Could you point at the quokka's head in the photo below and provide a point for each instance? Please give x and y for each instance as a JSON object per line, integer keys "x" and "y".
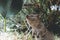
{"x": 33, "y": 19}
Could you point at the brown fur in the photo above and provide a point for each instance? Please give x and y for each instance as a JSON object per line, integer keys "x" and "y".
{"x": 38, "y": 28}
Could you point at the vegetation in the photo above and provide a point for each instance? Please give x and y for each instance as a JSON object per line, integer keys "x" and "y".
{"x": 49, "y": 10}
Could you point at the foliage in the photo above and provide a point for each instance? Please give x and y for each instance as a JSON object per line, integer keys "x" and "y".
{"x": 47, "y": 9}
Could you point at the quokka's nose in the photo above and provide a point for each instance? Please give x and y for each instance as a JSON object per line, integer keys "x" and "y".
{"x": 27, "y": 16}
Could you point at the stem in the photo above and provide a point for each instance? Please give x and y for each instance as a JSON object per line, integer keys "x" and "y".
{"x": 5, "y": 24}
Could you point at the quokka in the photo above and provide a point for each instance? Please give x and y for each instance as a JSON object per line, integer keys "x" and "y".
{"x": 39, "y": 31}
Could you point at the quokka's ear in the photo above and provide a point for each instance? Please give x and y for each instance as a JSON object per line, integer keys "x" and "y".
{"x": 39, "y": 15}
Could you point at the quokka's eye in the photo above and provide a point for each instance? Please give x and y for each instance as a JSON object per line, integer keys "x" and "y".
{"x": 31, "y": 16}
